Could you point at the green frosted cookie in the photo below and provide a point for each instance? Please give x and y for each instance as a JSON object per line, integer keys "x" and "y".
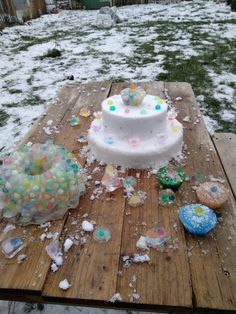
{"x": 171, "y": 177}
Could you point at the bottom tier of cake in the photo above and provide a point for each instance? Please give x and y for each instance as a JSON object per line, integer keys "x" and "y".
{"x": 154, "y": 152}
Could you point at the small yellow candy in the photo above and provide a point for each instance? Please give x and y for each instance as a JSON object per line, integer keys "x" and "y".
{"x": 110, "y": 102}
{"x": 198, "y": 211}
{"x": 85, "y": 112}
{"x": 133, "y": 86}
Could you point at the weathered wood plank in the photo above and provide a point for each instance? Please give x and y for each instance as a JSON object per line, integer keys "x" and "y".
{"x": 91, "y": 269}
{"x": 31, "y": 274}
{"x": 212, "y": 257}
{"x": 225, "y": 144}
{"x": 66, "y": 98}
{"x": 166, "y": 281}
{"x": 90, "y": 96}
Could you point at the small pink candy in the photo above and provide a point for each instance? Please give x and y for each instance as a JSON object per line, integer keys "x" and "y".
{"x": 171, "y": 115}
{"x": 127, "y": 110}
{"x": 47, "y": 175}
{"x": 7, "y": 161}
{"x": 96, "y": 128}
{"x": 134, "y": 142}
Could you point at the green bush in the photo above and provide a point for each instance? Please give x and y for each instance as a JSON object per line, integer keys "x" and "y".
{"x": 52, "y": 53}
{"x": 233, "y": 5}
{"x": 229, "y": 2}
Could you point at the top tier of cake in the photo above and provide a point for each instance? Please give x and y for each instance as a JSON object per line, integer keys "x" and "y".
{"x": 142, "y": 121}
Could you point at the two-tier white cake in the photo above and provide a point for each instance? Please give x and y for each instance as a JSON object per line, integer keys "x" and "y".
{"x": 139, "y": 136}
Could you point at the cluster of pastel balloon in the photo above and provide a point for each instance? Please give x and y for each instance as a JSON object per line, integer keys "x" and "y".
{"x": 39, "y": 183}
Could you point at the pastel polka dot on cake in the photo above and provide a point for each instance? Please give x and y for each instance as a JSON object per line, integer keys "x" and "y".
{"x": 212, "y": 194}
{"x": 112, "y": 108}
{"x": 158, "y": 107}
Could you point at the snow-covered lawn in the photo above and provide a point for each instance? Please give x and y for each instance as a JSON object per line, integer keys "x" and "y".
{"x": 192, "y": 41}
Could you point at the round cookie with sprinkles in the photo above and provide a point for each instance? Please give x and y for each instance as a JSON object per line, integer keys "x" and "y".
{"x": 171, "y": 177}
{"x": 212, "y": 194}
{"x": 197, "y": 219}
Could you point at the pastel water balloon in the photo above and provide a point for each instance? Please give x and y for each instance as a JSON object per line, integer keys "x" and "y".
{"x": 102, "y": 234}
{"x": 43, "y": 181}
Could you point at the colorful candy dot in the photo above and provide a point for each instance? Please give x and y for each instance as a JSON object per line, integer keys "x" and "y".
{"x": 112, "y": 108}
{"x": 134, "y": 142}
{"x": 84, "y": 112}
{"x": 109, "y": 140}
{"x": 157, "y": 107}
{"x": 214, "y": 189}
{"x": 198, "y": 211}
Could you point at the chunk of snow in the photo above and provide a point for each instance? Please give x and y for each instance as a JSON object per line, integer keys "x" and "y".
{"x": 58, "y": 259}
{"x": 141, "y": 258}
{"x": 187, "y": 119}
{"x": 64, "y": 284}
{"x": 142, "y": 243}
{"x": 20, "y": 258}
{"x": 43, "y": 236}
{"x": 87, "y": 226}
{"x": 68, "y": 244}
{"x": 49, "y": 122}
{"x": 116, "y": 297}
{"x": 54, "y": 267}
{"x": 8, "y": 228}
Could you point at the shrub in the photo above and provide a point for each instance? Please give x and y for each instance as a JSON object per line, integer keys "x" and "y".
{"x": 233, "y": 5}
{"x": 51, "y": 53}
{"x": 229, "y": 2}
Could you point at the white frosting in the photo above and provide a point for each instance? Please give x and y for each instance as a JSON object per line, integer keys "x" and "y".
{"x": 135, "y": 137}
{"x": 142, "y": 121}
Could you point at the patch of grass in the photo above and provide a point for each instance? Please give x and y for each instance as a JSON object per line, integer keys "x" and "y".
{"x": 51, "y": 53}
{"x": 117, "y": 79}
{"x": 189, "y": 70}
{"x": 4, "y": 116}
{"x": 36, "y": 69}
{"x": 17, "y": 120}
{"x": 31, "y": 100}
{"x": 144, "y": 54}
{"x": 11, "y": 105}
{"x": 14, "y": 91}
{"x": 30, "y": 80}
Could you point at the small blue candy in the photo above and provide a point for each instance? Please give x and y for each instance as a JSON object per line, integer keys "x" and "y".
{"x": 197, "y": 219}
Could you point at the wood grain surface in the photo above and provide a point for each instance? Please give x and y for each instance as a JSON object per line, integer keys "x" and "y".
{"x": 225, "y": 144}
{"x": 189, "y": 273}
{"x": 211, "y": 258}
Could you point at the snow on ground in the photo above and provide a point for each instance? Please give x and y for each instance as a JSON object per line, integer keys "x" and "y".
{"x": 33, "y": 308}
{"x": 151, "y": 44}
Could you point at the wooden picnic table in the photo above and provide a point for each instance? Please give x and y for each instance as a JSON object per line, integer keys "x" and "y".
{"x": 191, "y": 273}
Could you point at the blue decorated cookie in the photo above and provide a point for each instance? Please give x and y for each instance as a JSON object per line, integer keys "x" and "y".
{"x": 197, "y": 219}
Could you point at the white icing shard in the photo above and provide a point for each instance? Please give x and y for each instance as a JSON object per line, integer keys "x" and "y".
{"x": 87, "y": 226}
{"x": 68, "y": 244}
{"x": 116, "y": 297}
{"x": 141, "y": 258}
{"x": 64, "y": 284}
{"x": 142, "y": 243}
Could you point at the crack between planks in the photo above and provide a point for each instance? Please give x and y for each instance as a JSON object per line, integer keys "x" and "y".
{"x": 218, "y": 154}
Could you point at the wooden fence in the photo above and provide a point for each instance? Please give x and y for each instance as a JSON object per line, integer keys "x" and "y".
{"x": 17, "y": 11}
